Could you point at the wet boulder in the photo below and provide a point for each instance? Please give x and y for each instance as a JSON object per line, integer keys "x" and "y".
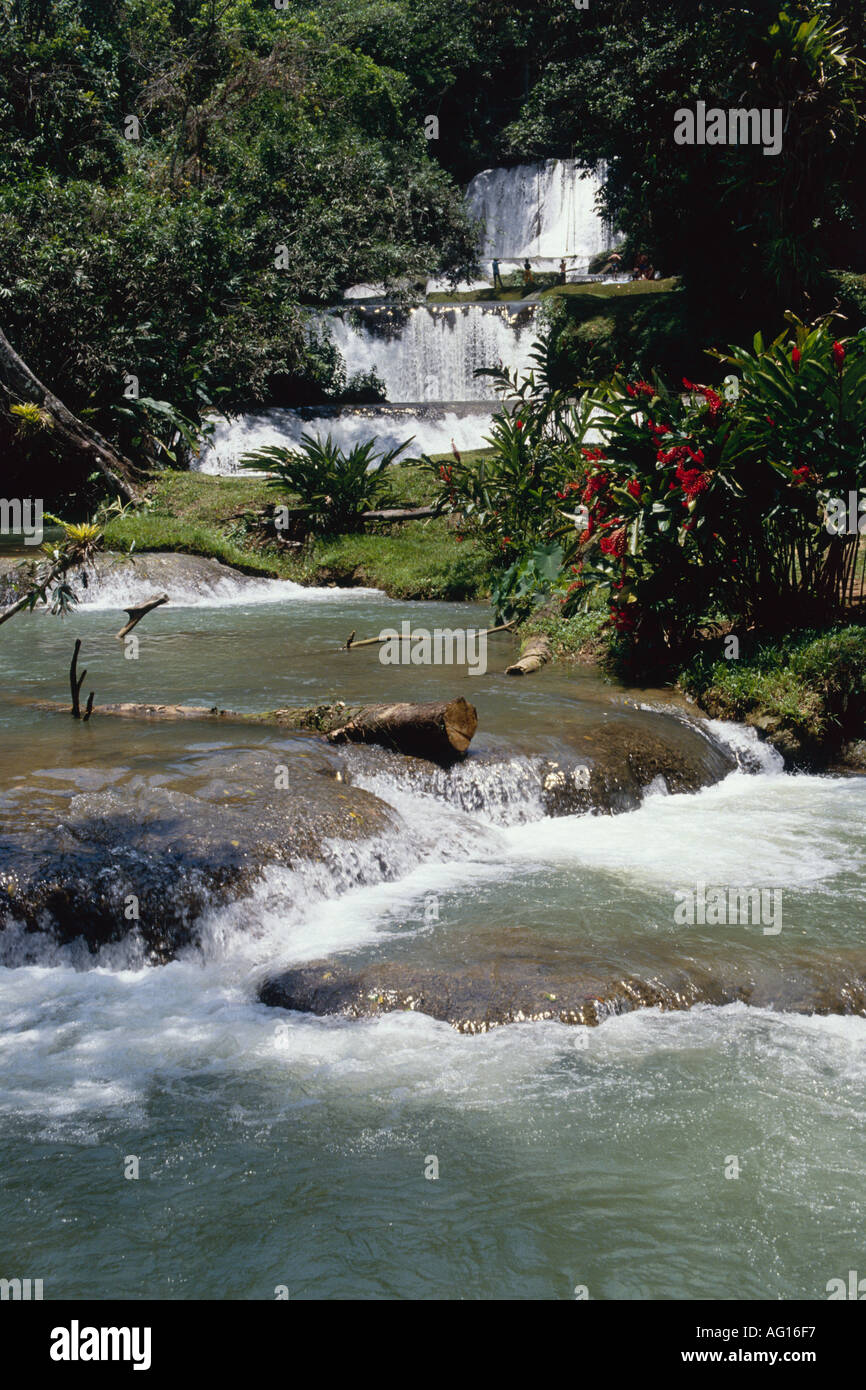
{"x": 151, "y": 857}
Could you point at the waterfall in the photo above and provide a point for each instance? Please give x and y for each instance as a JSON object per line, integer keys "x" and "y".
{"x": 543, "y": 211}
{"x": 429, "y": 354}
{"x": 432, "y": 428}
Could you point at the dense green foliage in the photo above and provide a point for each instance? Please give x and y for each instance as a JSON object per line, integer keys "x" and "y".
{"x": 282, "y": 154}
{"x": 273, "y": 166}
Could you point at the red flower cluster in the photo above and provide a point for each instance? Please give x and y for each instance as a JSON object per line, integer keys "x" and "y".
{"x": 796, "y": 355}
{"x": 693, "y": 481}
{"x": 657, "y": 430}
{"x": 801, "y": 476}
{"x": 595, "y": 484}
{"x": 569, "y": 487}
{"x": 614, "y": 544}
{"x": 679, "y": 454}
{"x": 633, "y": 488}
{"x": 641, "y": 388}
{"x": 712, "y": 398}
{"x": 593, "y": 455}
{"x": 839, "y": 356}
{"x": 622, "y": 620}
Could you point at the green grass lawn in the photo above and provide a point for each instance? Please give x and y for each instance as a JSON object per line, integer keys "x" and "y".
{"x": 514, "y": 295}
{"x": 628, "y": 291}
{"x": 201, "y": 514}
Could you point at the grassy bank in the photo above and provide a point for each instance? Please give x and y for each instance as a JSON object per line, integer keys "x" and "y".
{"x": 226, "y": 519}
{"x": 804, "y": 691}
{"x": 579, "y": 638}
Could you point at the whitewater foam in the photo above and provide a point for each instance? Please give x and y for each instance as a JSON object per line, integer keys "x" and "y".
{"x": 126, "y": 585}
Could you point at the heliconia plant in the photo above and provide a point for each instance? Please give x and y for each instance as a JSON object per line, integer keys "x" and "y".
{"x": 705, "y": 504}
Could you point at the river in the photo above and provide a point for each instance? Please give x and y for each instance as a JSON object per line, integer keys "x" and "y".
{"x": 283, "y": 1149}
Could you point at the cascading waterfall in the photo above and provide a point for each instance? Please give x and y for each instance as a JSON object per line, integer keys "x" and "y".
{"x": 431, "y": 353}
{"x": 427, "y": 356}
{"x": 543, "y": 211}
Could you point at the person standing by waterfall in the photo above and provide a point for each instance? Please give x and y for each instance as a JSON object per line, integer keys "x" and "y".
{"x": 497, "y": 278}
{"x": 527, "y": 275}
{"x": 562, "y": 271}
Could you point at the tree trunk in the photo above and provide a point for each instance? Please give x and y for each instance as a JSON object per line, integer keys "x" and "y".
{"x": 20, "y": 385}
{"x": 440, "y": 732}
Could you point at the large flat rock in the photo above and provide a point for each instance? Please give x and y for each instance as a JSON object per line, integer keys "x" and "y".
{"x": 177, "y": 845}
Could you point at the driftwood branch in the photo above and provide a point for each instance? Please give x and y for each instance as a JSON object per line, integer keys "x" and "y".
{"x": 139, "y": 611}
{"x": 75, "y": 684}
{"x": 351, "y": 644}
{"x": 533, "y": 655}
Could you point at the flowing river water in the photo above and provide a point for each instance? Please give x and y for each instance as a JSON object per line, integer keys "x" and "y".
{"x": 282, "y": 1148}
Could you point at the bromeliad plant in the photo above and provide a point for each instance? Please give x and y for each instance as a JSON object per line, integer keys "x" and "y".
{"x": 47, "y": 580}
{"x": 335, "y": 488}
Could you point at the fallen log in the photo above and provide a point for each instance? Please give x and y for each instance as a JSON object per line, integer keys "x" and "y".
{"x": 440, "y": 732}
{"x": 534, "y": 654}
{"x": 401, "y": 514}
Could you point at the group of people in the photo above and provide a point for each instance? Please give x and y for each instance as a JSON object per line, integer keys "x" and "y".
{"x": 527, "y": 275}
{"x": 642, "y": 270}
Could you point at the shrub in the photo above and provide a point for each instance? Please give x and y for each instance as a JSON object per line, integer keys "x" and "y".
{"x": 335, "y": 488}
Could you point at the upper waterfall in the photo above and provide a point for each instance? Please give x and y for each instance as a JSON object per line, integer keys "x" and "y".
{"x": 541, "y": 211}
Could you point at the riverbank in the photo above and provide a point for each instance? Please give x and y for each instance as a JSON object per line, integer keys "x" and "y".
{"x": 231, "y": 519}
{"x": 804, "y": 691}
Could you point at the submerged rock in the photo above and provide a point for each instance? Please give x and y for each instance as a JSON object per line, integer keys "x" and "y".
{"x": 115, "y": 580}
{"x": 607, "y": 766}
{"x": 474, "y": 998}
